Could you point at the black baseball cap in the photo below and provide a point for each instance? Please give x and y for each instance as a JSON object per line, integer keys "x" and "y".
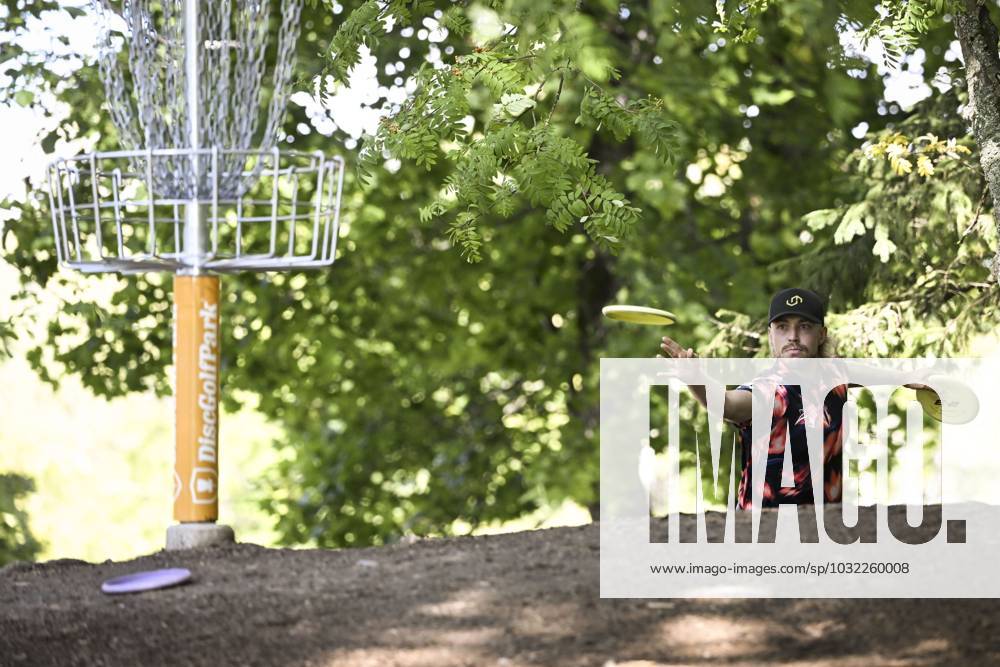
{"x": 797, "y": 301}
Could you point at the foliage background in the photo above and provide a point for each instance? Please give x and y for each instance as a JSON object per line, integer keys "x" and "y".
{"x": 660, "y": 153}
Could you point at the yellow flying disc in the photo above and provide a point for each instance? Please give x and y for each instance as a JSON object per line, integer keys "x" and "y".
{"x": 957, "y": 403}
{"x": 639, "y": 315}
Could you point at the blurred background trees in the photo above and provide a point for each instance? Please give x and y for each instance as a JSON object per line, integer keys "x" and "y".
{"x": 16, "y": 539}
{"x": 519, "y": 165}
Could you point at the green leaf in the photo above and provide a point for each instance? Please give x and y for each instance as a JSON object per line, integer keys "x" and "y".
{"x": 516, "y": 104}
{"x": 24, "y": 98}
{"x": 766, "y": 97}
{"x": 821, "y": 218}
{"x": 883, "y": 247}
{"x": 854, "y": 223}
{"x": 48, "y": 142}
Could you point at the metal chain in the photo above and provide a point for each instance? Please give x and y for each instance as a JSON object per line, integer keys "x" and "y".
{"x": 146, "y": 99}
{"x": 287, "y": 37}
{"x": 114, "y": 86}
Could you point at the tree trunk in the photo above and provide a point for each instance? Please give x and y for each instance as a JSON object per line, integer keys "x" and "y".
{"x": 978, "y": 37}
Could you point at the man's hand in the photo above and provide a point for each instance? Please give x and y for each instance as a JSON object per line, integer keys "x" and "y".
{"x": 737, "y": 405}
{"x": 673, "y": 349}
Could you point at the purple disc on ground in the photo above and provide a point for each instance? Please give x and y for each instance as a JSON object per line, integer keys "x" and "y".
{"x": 146, "y": 581}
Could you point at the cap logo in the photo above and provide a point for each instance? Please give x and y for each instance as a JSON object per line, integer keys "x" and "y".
{"x": 794, "y": 301}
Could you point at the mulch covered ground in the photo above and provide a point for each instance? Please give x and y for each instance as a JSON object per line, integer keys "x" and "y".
{"x": 527, "y": 598}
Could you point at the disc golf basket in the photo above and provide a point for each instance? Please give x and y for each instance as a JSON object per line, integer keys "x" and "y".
{"x": 200, "y": 188}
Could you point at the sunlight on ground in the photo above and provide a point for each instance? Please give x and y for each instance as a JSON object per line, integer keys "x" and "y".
{"x": 714, "y": 636}
{"x": 567, "y": 514}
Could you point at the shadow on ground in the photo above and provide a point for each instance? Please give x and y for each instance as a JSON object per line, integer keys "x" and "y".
{"x": 521, "y": 599}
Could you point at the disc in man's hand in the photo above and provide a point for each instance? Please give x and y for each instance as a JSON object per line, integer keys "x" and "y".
{"x": 639, "y": 315}
{"x": 956, "y": 404}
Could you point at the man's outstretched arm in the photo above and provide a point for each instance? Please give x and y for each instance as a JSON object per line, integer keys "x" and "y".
{"x": 738, "y": 405}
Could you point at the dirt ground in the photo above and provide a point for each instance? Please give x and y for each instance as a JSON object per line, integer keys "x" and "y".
{"x": 526, "y": 599}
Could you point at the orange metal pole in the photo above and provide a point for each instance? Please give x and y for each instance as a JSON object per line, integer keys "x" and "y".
{"x": 196, "y": 359}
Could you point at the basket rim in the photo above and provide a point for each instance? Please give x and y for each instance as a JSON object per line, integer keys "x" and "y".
{"x": 182, "y": 152}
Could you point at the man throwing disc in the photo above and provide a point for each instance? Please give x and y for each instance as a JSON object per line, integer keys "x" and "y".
{"x": 796, "y": 329}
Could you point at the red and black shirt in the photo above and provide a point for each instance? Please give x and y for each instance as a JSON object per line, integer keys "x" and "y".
{"x": 788, "y": 425}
